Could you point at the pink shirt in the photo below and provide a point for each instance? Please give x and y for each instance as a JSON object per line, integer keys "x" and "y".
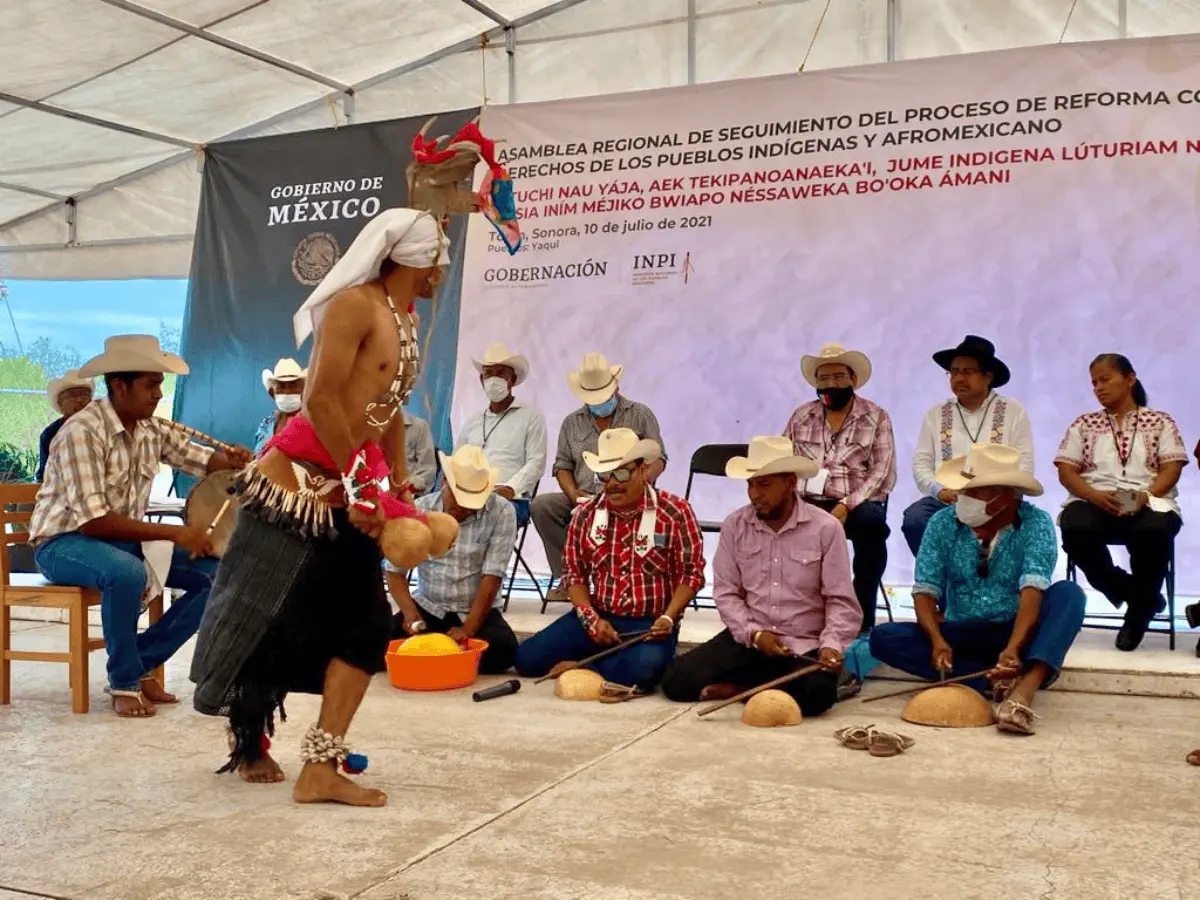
{"x": 794, "y": 582}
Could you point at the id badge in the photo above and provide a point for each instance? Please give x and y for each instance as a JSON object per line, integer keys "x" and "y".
{"x": 816, "y": 485}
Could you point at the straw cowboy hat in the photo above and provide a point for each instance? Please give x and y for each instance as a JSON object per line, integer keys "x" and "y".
{"x": 285, "y": 370}
{"x": 855, "y": 361}
{"x": 469, "y": 475}
{"x": 596, "y": 380}
{"x": 133, "y": 353}
{"x": 618, "y": 447}
{"x": 770, "y": 455}
{"x": 69, "y": 381}
{"x": 499, "y": 355}
{"x": 988, "y": 465}
{"x": 980, "y": 349}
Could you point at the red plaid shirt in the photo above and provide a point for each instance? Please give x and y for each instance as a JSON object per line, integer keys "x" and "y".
{"x": 861, "y": 457}
{"x": 618, "y": 580}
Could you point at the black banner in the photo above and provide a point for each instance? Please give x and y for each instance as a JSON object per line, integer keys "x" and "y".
{"x": 275, "y": 214}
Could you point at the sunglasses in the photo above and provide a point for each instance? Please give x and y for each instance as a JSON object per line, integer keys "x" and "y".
{"x": 621, "y": 476}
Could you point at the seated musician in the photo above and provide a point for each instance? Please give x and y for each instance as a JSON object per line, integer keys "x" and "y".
{"x": 68, "y": 395}
{"x": 285, "y": 385}
{"x": 781, "y": 582}
{"x": 634, "y": 560}
{"x": 87, "y": 527}
{"x": 983, "y": 593}
{"x": 455, "y": 592}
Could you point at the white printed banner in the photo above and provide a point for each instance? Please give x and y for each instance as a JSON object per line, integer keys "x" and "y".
{"x": 707, "y": 237}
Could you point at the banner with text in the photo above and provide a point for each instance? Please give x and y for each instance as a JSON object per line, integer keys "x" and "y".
{"x": 275, "y": 214}
{"x": 708, "y": 237}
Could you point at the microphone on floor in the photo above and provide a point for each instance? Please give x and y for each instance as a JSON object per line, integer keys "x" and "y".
{"x": 503, "y": 689}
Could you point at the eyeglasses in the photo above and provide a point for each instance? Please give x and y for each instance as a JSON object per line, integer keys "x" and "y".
{"x": 621, "y": 476}
{"x": 972, "y": 371}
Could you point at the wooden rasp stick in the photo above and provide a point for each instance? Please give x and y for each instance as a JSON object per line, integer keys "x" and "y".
{"x": 925, "y": 684}
{"x": 783, "y": 679}
{"x": 635, "y": 638}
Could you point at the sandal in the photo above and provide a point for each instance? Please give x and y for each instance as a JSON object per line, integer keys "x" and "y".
{"x": 145, "y": 709}
{"x": 1015, "y": 717}
{"x": 854, "y": 737}
{"x": 887, "y": 743}
{"x": 611, "y": 692}
{"x": 1002, "y": 688}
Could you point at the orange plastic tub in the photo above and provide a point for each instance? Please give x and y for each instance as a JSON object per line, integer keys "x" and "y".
{"x": 435, "y": 673}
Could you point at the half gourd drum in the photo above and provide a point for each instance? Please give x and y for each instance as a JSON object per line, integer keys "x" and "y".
{"x": 949, "y": 706}
{"x": 771, "y": 709}
{"x": 579, "y": 684}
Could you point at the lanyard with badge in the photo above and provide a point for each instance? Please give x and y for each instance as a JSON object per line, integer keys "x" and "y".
{"x": 487, "y": 433}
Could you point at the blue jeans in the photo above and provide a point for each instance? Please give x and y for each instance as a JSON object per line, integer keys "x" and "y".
{"x": 641, "y": 665}
{"x": 916, "y": 517}
{"x": 117, "y": 570}
{"x": 977, "y": 644}
{"x": 521, "y": 507}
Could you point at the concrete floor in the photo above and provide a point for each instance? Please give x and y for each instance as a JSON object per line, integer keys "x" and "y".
{"x": 532, "y": 797}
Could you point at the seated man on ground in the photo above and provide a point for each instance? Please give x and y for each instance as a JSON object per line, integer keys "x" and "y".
{"x": 88, "y": 529}
{"x": 977, "y": 414}
{"x": 982, "y": 590}
{"x": 419, "y": 453}
{"x": 782, "y": 586}
{"x": 634, "y": 561}
{"x": 513, "y": 434}
{"x": 465, "y": 581}
{"x": 850, "y": 440}
{"x": 597, "y": 384}
{"x": 1121, "y": 465}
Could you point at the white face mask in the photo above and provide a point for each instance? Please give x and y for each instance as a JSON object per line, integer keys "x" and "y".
{"x": 288, "y": 403}
{"x": 496, "y": 389}
{"x": 972, "y": 512}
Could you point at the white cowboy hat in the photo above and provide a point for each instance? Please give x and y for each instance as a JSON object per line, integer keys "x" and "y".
{"x": 499, "y": 355}
{"x": 469, "y": 475}
{"x": 596, "y": 380}
{"x": 285, "y": 370}
{"x": 69, "y": 381}
{"x": 770, "y": 455}
{"x": 855, "y": 361}
{"x": 988, "y": 465}
{"x": 617, "y": 447}
{"x": 133, "y": 353}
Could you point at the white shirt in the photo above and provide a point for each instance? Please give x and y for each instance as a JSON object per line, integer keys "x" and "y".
{"x": 999, "y": 420}
{"x": 1090, "y": 446}
{"x": 514, "y": 441}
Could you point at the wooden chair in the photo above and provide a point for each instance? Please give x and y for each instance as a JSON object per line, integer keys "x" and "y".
{"x": 36, "y": 591}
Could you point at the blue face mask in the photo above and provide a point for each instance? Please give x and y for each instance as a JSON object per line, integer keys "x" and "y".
{"x": 601, "y": 410}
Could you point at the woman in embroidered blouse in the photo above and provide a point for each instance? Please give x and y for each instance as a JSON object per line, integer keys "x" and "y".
{"x": 1121, "y": 465}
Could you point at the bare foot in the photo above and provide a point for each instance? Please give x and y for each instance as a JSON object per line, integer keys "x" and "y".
{"x": 719, "y": 692}
{"x": 155, "y": 692}
{"x": 1194, "y": 757}
{"x": 130, "y": 705}
{"x": 321, "y": 783}
{"x": 565, "y": 666}
{"x": 261, "y": 771}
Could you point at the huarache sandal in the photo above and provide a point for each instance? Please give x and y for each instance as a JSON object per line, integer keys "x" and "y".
{"x": 854, "y": 737}
{"x": 887, "y": 743}
{"x": 144, "y": 709}
{"x": 1002, "y": 688}
{"x": 610, "y": 692}
{"x": 1015, "y": 717}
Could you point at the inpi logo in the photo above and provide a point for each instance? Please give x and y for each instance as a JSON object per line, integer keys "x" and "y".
{"x": 654, "y": 261}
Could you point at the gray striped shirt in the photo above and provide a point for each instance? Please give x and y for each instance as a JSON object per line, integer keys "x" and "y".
{"x": 579, "y": 433}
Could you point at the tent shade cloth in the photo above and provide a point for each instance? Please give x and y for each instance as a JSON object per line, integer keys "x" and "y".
{"x": 106, "y": 105}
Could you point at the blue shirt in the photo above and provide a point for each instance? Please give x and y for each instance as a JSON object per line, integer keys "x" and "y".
{"x": 948, "y": 564}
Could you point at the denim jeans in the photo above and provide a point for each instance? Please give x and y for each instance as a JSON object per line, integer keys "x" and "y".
{"x": 916, "y": 517}
{"x": 978, "y": 644}
{"x": 641, "y": 665}
{"x": 117, "y": 570}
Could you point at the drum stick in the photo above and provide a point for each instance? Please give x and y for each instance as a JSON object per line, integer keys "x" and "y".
{"x": 783, "y": 679}
{"x": 220, "y": 514}
{"x": 635, "y": 638}
{"x": 925, "y": 684}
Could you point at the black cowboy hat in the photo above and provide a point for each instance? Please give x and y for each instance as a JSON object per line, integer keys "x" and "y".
{"x": 980, "y": 349}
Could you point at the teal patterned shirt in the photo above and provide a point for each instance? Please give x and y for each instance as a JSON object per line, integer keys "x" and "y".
{"x": 948, "y": 564}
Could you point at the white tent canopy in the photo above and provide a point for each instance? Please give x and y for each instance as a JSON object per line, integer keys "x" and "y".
{"x": 106, "y": 105}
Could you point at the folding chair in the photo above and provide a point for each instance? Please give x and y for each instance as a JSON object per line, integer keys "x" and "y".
{"x": 519, "y": 560}
{"x": 710, "y": 459}
{"x": 1164, "y": 618}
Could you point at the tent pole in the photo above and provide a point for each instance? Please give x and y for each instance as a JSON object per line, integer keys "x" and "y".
{"x": 691, "y": 42}
{"x": 893, "y": 30}
{"x": 1122, "y": 18}
{"x": 510, "y": 48}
